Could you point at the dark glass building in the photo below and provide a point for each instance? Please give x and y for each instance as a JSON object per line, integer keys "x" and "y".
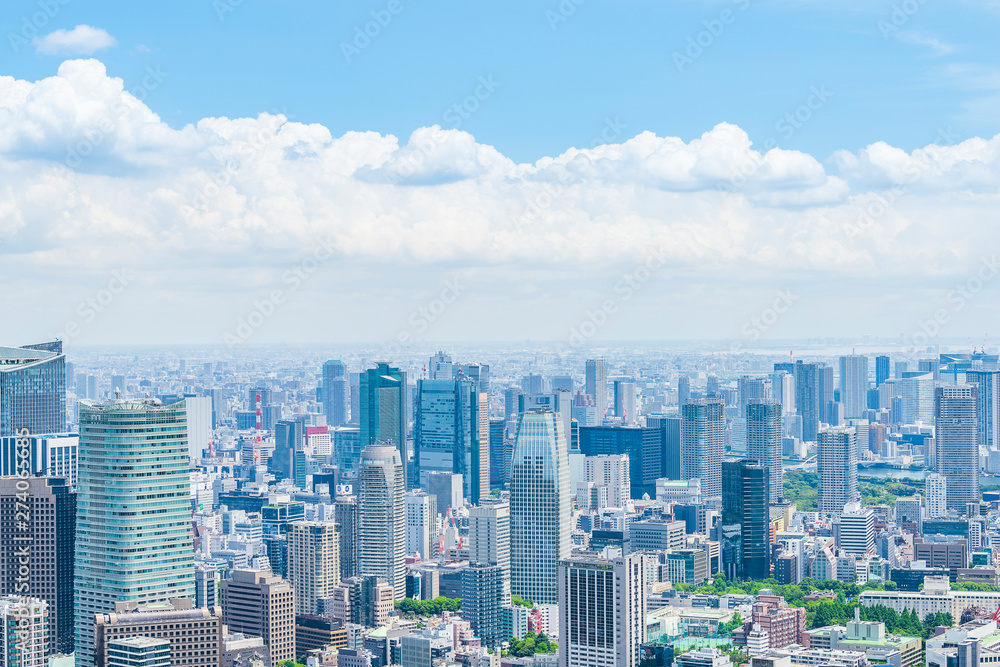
{"x": 744, "y": 538}
{"x": 644, "y": 447}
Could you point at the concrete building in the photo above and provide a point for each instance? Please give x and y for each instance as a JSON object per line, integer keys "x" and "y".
{"x": 602, "y": 611}
{"x": 198, "y": 645}
{"x": 263, "y": 605}
{"x": 313, "y": 562}
{"x": 489, "y": 538}
{"x": 703, "y": 443}
{"x": 784, "y": 625}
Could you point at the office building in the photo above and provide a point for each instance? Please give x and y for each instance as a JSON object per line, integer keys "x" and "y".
{"x": 25, "y": 624}
{"x": 32, "y": 389}
{"x": 854, "y": 385}
{"x": 421, "y": 523}
{"x": 451, "y": 433}
{"x": 482, "y": 597}
{"x": 936, "y": 487}
{"x": 138, "y": 652}
{"x": 988, "y": 406}
{"x": 837, "y": 469}
{"x": 133, "y": 521}
{"x": 653, "y": 535}
{"x": 540, "y": 506}
{"x": 813, "y": 390}
{"x": 314, "y": 632}
{"x": 383, "y": 410}
{"x": 49, "y": 456}
{"x": 262, "y": 605}
{"x": 500, "y": 453}
{"x": 489, "y": 538}
{"x": 625, "y": 395}
{"x": 683, "y": 390}
{"x": 881, "y": 369}
{"x": 764, "y": 440}
{"x": 745, "y": 524}
{"x": 703, "y": 444}
{"x": 382, "y": 516}
{"x": 917, "y": 398}
{"x": 596, "y": 385}
{"x": 46, "y": 537}
{"x": 854, "y": 530}
{"x": 643, "y": 446}
{"x": 335, "y": 393}
{"x": 206, "y": 586}
{"x": 956, "y": 420}
{"x": 195, "y": 635}
{"x": 752, "y": 389}
{"x": 289, "y": 438}
{"x": 612, "y": 472}
{"x": 313, "y": 562}
{"x": 602, "y": 607}
{"x": 346, "y": 517}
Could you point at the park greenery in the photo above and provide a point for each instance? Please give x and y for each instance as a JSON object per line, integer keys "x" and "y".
{"x": 530, "y": 645}
{"x": 517, "y": 600}
{"x": 411, "y": 607}
{"x": 801, "y": 487}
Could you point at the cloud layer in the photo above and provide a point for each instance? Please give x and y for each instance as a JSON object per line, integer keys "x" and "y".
{"x": 81, "y": 40}
{"x": 93, "y": 179}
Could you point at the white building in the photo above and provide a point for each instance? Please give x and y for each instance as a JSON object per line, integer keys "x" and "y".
{"x": 489, "y": 537}
{"x": 937, "y": 495}
{"x": 611, "y": 471}
{"x": 25, "y": 631}
{"x": 313, "y": 562}
{"x": 421, "y": 521}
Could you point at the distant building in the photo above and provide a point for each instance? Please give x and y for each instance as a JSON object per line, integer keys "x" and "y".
{"x": 837, "y": 468}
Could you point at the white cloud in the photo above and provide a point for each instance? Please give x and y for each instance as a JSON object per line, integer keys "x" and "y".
{"x": 81, "y": 40}
{"x": 94, "y": 180}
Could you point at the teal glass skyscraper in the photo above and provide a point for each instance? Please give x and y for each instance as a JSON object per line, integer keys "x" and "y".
{"x": 383, "y": 409}
{"x": 32, "y": 389}
{"x": 134, "y": 538}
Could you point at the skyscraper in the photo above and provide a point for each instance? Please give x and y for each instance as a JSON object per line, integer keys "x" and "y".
{"x": 881, "y": 369}
{"x": 346, "y": 516}
{"x": 440, "y": 367}
{"x": 703, "y": 443}
{"x": 602, "y": 607}
{"x": 750, "y": 389}
{"x": 482, "y": 597}
{"x": 988, "y": 397}
{"x": 937, "y": 495}
{"x": 24, "y": 631}
{"x": 47, "y": 537}
{"x": 382, "y": 517}
{"x": 489, "y": 538}
{"x": 383, "y": 410}
{"x": 811, "y": 395}
{"x": 32, "y": 389}
{"x": 499, "y": 454}
{"x": 625, "y": 401}
{"x": 134, "y": 538}
{"x": 313, "y": 562}
{"x": 261, "y": 604}
{"x": 335, "y": 392}
{"x": 745, "y": 520}
{"x": 854, "y": 384}
{"x": 837, "y": 468}
{"x": 421, "y": 520}
{"x": 683, "y": 390}
{"x": 540, "y": 509}
{"x": 596, "y": 385}
{"x": 956, "y": 431}
{"x": 764, "y": 442}
{"x": 451, "y": 434}
{"x": 289, "y": 438}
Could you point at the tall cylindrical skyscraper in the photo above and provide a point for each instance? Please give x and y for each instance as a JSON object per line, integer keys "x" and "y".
{"x": 540, "y": 510}
{"x": 133, "y": 526}
{"x": 382, "y": 517}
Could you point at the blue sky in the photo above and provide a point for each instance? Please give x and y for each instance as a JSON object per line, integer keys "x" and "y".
{"x": 559, "y": 79}
{"x": 571, "y": 171}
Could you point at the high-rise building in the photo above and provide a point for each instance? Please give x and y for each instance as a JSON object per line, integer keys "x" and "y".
{"x": 956, "y": 436}
{"x": 482, "y": 598}
{"x": 262, "y": 605}
{"x": 764, "y": 442}
{"x": 837, "y": 468}
{"x": 451, "y": 433}
{"x": 206, "y": 586}
{"x": 610, "y": 471}
{"x": 313, "y": 562}
{"x": 198, "y": 644}
{"x": 540, "y": 506}
{"x": 936, "y": 487}
{"x": 44, "y": 533}
{"x": 625, "y": 401}
{"x": 500, "y": 453}
{"x": 382, "y": 517}
{"x": 133, "y": 520}
{"x": 489, "y": 538}
{"x": 289, "y": 438}
{"x": 683, "y": 390}
{"x": 383, "y": 410}
{"x": 596, "y": 385}
{"x": 346, "y": 517}
{"x": 988, "y": 410}
{"x": 644, "y": 447}
{"x": 24, "y": 631}
{"x": 440, "y": 367}
{"x": 421, "y": 520}
{"x": 670, "y": 454}
{"x": 783, "y": 389}
{"x": 335, "y": 393}
{"x": 854, "y": 530}
{"x": 712, "y": 385}
{"x": 32, "y": 389}
{"x": 881, "y": 369}
{"x": 49, "y": 455}
{"x": 745, "y": 522}
{"x": 602, "y": 607}
{"x": 813, "y": 390}
{"x": 703, "y": 434}
{"x": 854, "y": 385}
{"x": 917, "y": 391}
{"x": 753, "y": 389}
